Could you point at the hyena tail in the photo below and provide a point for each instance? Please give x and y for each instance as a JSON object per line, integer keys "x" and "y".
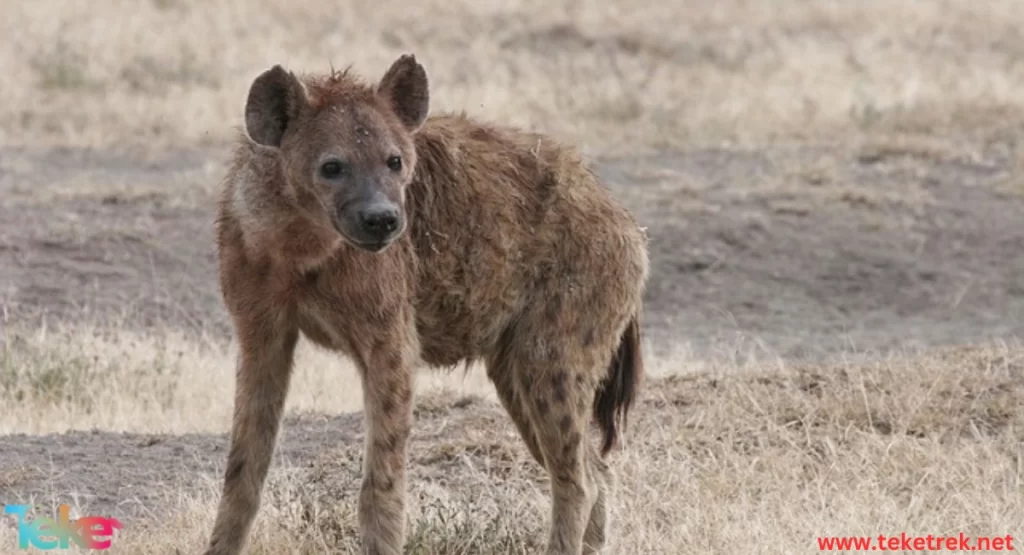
{"x": 613, "y": 400}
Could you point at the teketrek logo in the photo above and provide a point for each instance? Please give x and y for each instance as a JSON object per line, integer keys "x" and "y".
{"x": 44, "y": 533}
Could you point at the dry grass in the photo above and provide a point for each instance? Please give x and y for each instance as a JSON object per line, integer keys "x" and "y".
{"x": 611, "y": 75}
{"x": 167, "y": 382}
{"x": 726, "y": 460}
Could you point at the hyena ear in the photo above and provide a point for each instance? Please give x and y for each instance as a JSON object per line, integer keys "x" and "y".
{"x": 405, "y": 88}
{"x": 276, "y": 98}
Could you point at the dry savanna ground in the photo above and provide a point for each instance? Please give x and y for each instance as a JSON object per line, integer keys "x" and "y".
{"x": 833, "y": 192}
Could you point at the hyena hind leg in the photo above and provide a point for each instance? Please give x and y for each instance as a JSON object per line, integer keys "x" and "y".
{"x": 500, "y": 372}
{"x": 559, "y": 417}
{"x": 599, "y": 524}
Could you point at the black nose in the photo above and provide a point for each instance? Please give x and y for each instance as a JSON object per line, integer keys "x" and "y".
{"x": 379, "y": 222}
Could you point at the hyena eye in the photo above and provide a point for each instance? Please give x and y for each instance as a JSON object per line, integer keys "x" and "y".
{"x": 332, "y": 169}
{"x": 395, "y": 163}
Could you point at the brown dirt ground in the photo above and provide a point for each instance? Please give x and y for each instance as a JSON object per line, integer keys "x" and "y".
{"x": 798, "y": 251}
{"x": 801, "y": 251}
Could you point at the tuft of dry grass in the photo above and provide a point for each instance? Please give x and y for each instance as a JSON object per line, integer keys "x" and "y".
{"x": 610, "y": 75}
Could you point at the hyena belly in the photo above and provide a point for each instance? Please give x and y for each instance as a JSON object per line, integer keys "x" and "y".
{"x": 461, "y": 319}
{"x": 469, "y": 289}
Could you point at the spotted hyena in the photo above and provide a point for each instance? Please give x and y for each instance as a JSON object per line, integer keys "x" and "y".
{"x": 352, "y": 218}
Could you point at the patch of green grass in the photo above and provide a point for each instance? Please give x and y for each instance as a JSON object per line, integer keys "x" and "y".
{"x": 62, "y": 69}
{"x": 51, "y": 376}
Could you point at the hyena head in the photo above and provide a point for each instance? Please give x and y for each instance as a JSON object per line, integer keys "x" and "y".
{"x": 344, "y": 146}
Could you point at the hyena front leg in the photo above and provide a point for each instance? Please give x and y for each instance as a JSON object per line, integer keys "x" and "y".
{"x": 388, "y": 399}
{"x": 264, "y": 370}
